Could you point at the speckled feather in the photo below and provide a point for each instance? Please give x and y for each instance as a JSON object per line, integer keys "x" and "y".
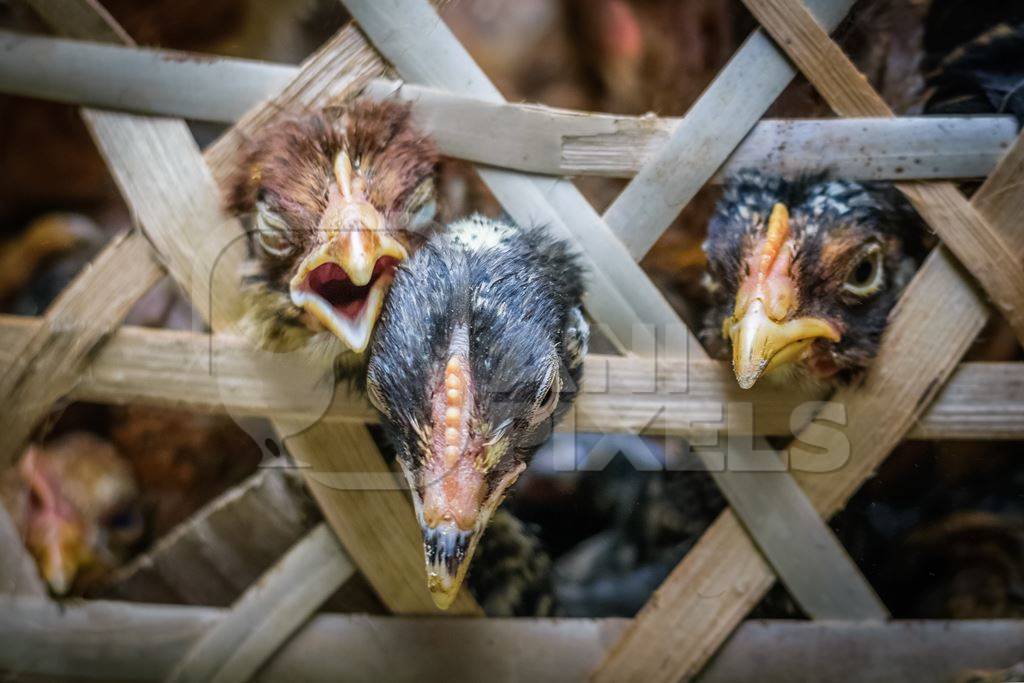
{"x": 518, "y": 291}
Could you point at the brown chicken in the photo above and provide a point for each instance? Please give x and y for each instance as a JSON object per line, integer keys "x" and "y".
{"x": 181, "y": 459}
{"x": 336, "y": 199}
{"x": 73, "y": 500}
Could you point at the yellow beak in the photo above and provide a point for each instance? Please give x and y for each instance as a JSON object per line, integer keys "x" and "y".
{"x": 760, "y": 344}
{"x": 763, "y": 335}
{"x": 343, "y": 283}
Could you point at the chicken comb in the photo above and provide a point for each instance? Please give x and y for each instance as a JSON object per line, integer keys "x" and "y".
{"x": 455, "y": 404}
{"x": 343, "y": 174}
{"x": 778, "y": 232}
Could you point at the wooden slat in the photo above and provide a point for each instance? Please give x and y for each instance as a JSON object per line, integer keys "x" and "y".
{"x": 341, "y": 67}
{"x": 18, "y": 573}
{"x": 194, "y": 252}
{"x": 211, "y": 558}
{"x": 139, "y": 80}
{"x": 157, "y": 165}
{"x": 267, "y": 615}
{"x": 712, "y": 128}
{"x": 620, "y": 296}
{"x": 47, "y": 363}
{"x": 535, "y": 138}
{"x": 141, "y": 642}
{"x": 828, "y": 583}
{"x": 978, "y": 245}
{"x": 723, "y": 577}
{"x": 622, "y": 395}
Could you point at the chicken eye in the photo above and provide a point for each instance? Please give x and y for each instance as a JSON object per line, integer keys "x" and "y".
{"x": 422, "y": 206}
{"x": 867, "y": 275}
{"x": 271, "y": 231}
{"x": 547, "y": 398}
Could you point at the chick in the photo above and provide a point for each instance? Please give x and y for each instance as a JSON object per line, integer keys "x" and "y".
{"x": 335, "y": 199}
{"x": 478, "y": 353}
{"x": 73, "y": 500}
{"x": 802, "y": 275}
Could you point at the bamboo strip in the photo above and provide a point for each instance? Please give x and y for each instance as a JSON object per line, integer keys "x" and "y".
{"x": 534, "y": 138}
{"x": 622, "y": 394}
{"x": 46, "y": 364}
{"x": 269, "y": 612}
{"x": 755, "y": 76}
{"x": 141, "y": 642}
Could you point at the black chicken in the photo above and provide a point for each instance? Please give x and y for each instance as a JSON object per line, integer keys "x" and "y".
{"x": 802, "y": 275}
{"x": 478, "y": 353}
{"x": 336, "y": 199}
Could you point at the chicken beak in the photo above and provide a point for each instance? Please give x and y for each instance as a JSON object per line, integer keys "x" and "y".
{"x": 760, "y": 344}
{"x": 447, "y": 550}
{"x": 763, "y": 331}
{"x": 343, "y": 282}
{"x": 57, "y": 545}
{"x": 449, "y": 542}
{"x": 55, "y": 536}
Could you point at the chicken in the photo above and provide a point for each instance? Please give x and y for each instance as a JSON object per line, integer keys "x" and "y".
{"x": 335, "y": 200}
{"x": 181, "y": 459}
{"x": 809, "y": 295}
{"x": 73, "y": 501}
{"x": 802, "y": 275}
{"x": 478, "y": 353}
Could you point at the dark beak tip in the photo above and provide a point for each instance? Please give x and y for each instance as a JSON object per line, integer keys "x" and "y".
{"x": 446, "y": 551}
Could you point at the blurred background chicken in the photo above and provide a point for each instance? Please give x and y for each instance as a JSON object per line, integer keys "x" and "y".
{"x": 973, "y": 52}
{"x": 803, "y": 273}
{"x": 336, "y": 199}
{"x": 74, "y": 501}
{"x": 478, "y": 353}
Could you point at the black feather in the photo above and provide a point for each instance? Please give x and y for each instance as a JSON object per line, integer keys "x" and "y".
{"x": 519, "y": 296}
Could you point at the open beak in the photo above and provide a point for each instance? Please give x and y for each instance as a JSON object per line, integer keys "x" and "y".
{"x": 342, "y": 283}
{"x": 762, "y": 329}
{"x": 58, "y": 547}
